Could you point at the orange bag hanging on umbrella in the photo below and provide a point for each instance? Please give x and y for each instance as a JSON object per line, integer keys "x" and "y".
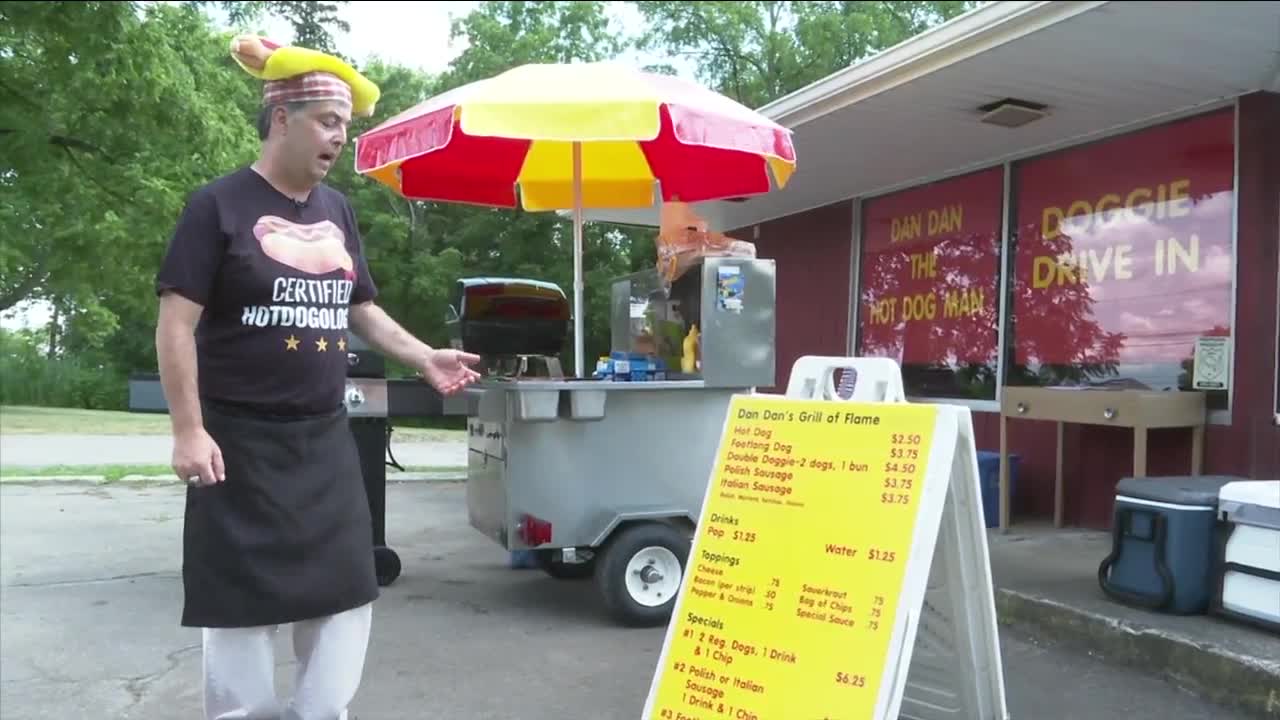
{"x": 684, "y": 238}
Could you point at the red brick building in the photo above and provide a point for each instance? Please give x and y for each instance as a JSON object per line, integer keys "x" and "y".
{"x": 1045, "y": 193}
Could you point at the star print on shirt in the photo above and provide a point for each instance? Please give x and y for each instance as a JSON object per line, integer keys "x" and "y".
{"x": 291, "y": 343}
{"x": 322, "y": 345}
{"x": 342, "y": 343}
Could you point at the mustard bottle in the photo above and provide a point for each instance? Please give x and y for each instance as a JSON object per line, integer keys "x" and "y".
{"x": 688, "y": 361}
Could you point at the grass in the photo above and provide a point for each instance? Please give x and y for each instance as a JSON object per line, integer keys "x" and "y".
{"x": 110, "y": 473}
{"x": 113, "y": 473}
{"x": 29, "y": 420}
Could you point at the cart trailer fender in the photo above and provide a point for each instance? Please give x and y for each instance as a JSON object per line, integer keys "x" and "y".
{"x": 609, "y": 522}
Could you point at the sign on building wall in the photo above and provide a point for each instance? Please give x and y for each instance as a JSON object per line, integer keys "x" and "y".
{"x": 1122, "y": 263}
{"x": 930, "y": 282}
{"x": 1123, "y": 258}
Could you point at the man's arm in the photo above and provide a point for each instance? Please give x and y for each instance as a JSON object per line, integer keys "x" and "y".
{"x": 176, "y": 356}
{"x": 194, "y": 452}
{"x": 447, "y": 370}
{"x": 387, "y": 336}
{"x": 185, "y": 285}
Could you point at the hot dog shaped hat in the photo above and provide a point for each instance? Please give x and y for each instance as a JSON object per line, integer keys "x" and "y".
{"x": 297, "y": 73}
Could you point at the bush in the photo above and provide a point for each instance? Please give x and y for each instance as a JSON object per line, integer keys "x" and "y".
{"x": 29, "y": 377}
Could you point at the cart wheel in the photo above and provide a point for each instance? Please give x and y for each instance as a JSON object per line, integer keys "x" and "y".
{"x": 562, "y": 570}
{"x": 640, "y": 573}
{"x": 386, "y": 564}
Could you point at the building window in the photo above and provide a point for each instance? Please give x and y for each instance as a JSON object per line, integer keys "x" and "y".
{"x": 929, "y": 284}
{"x": 1123, "y": 259}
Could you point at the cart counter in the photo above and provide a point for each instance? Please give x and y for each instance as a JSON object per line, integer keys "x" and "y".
{"x": 547, "y": 400}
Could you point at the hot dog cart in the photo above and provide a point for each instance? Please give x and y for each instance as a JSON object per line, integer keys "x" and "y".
{"x": 604, "y": 477}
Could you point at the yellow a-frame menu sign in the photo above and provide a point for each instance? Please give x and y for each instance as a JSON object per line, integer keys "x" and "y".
{"x": 825, "y": 524}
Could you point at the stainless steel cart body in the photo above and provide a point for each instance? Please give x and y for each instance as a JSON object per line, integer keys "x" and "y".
{"x": 607, "y": 478}
{"x": 536, "y": 479}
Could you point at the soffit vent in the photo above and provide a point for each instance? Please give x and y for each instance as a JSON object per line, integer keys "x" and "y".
{"x": 1012, "y": 113}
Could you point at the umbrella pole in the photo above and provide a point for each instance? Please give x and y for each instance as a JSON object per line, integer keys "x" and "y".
{"x": 578, "y": 321}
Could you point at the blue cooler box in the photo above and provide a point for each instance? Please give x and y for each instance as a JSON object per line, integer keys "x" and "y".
{"x": 1162, "y": 544}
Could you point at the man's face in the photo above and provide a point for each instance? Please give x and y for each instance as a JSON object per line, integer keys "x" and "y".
{"x": 315, "y": 135}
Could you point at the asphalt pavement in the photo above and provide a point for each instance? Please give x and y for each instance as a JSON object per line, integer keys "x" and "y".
{"x": 49, "y": 450}
{"x": 90, "y": 594}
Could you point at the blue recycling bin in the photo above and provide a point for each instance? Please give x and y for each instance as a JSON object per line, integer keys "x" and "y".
{"x": 1162, "y": 544}
{"x": 989, "y": 478}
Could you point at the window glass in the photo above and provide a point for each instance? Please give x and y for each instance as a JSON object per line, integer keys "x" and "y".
{"x": 929, "y": 284}
{"x": 1123, "y": 259}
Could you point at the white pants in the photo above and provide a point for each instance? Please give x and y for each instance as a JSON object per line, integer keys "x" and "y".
{"x": 239, "y": 669}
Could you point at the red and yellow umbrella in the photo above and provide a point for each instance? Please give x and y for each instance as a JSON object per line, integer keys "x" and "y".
{"x": 480, "y": 142}
{"x": 577, "y": 136}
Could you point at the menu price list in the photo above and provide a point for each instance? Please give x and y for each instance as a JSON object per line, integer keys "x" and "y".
{"x": 798, "y": 565}
{"x": 718, "y": 681}
{"x": 762, "y": 464}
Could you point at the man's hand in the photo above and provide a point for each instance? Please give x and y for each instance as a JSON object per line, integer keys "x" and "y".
{"x": 448, "y": 371}
{"x": 197, "y": 459}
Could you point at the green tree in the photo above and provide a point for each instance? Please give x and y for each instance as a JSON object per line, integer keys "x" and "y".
{"x": 503, "y": 35}
{"x": 312, "y": 21}
{"x": 112, "y": 112}
{"x": 756, "y": 52}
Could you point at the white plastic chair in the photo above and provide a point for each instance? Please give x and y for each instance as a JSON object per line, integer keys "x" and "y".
{"x": 875, "y": 379}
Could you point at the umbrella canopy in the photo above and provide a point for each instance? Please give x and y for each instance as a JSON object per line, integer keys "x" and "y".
{"x": 577, "y": 136}
{"x": 480, "y": 142}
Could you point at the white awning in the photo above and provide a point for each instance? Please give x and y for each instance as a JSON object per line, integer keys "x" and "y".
{"x": 910, "y": 113}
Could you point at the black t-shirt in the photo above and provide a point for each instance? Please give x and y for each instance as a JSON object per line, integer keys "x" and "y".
{"x": 276, "y": 279}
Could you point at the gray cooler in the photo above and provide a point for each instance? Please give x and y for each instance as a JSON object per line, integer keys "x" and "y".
{"x": 1247, "y": 554}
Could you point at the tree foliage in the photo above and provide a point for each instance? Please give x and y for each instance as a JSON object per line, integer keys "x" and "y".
{"x": 111, "y": 113}
{"x": 312, "y": 21}
{"x": 756, "y": 52}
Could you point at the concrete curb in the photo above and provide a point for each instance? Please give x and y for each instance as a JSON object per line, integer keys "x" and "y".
{"x": 1231, "y": 680}
{"x": 436, "y": 477}
{"x": 52, "y": 480}
{"x": 450, "y": 476}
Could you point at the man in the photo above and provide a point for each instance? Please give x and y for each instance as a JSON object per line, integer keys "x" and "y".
{"x": 264, "y": 275}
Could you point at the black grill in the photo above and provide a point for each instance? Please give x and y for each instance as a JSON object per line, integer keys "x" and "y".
{"x": 499, "y": 317}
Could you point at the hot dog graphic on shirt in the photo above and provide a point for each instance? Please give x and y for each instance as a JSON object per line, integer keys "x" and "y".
{"x": 315, "y": 249}
{"x": 315, "y": 303}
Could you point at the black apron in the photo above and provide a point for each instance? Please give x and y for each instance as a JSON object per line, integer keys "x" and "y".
{"x": 288, "y": 535}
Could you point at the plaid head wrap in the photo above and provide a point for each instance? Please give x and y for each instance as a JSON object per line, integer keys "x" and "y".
{"x": 306, "y": 87}
{"x": 297, "y": 74}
